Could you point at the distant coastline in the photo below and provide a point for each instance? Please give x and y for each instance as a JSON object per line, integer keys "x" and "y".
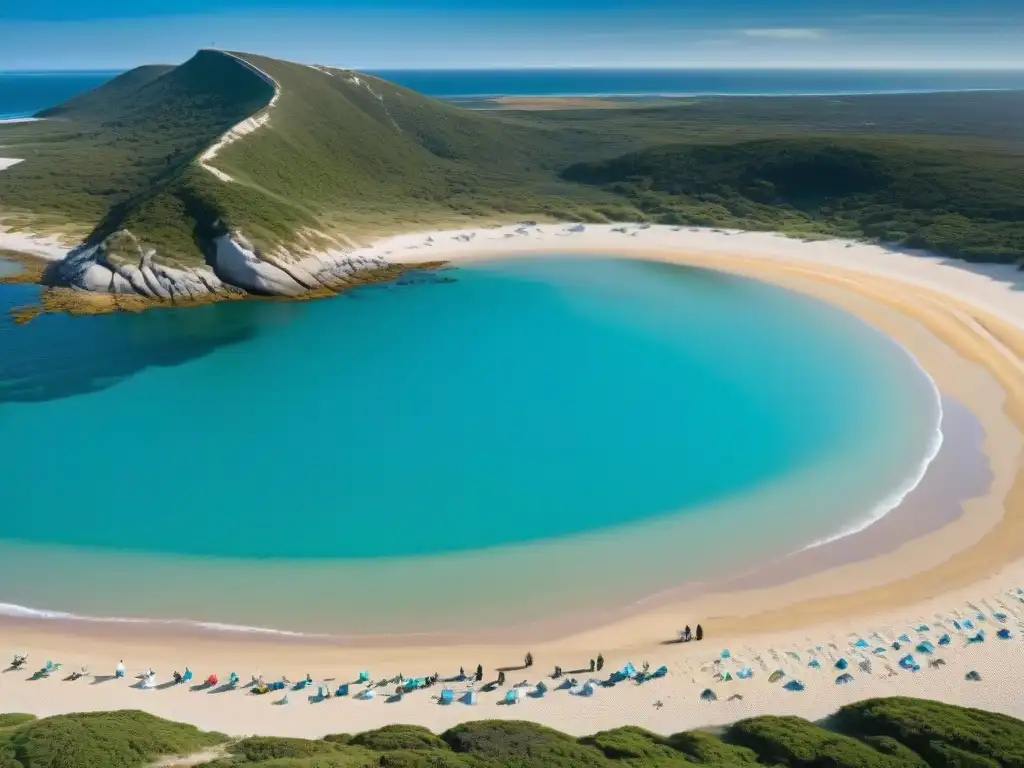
{"x": 25, "y": 93}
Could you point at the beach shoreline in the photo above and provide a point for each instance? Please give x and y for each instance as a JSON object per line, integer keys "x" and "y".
{"x": 965, "y": 333}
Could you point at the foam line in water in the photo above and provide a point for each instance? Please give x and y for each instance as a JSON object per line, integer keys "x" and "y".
{"x": 24, "y": 612}
{"x": 894, "y": 499}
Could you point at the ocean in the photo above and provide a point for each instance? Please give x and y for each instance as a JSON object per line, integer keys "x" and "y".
{"x": 602, "y": 429}
{"x": 683, "y": 82}
{"x": 25, "y": 93}
{"x": 22, "y": 94}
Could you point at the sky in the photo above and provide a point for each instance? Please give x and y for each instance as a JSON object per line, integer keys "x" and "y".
{"x": 476, "y": 34}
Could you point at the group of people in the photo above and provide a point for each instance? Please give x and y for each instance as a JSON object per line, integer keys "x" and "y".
{"x": 686, "y": 636}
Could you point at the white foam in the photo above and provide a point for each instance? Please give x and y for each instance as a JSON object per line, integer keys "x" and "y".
{"x": 24, "y": 612}
{"x": 894, "y": 499}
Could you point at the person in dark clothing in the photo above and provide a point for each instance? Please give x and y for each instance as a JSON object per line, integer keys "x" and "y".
{"x": 479, "y": 672}
{"x": 700, "y": 632}
{"x": 600, "y": 662}
{"x": 686, "y": 634}
{"x": 558, "y": 673}
{"x": 593, "y": 665}
{"x": 501, "y": 678}
{"x": 528, "y": 659}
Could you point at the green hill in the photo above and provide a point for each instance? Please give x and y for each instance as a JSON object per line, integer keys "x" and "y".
{"x": 967, "y": 203}
{"x": 173, "y": 201}
{"x": 342, "y": 157}
{"x": 879, "y": 733}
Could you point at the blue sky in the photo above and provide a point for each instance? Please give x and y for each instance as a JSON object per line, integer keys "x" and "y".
{"x": 379, "y": 34}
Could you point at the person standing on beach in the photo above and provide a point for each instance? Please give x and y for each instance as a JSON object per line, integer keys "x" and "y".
{"x": 699, "y": 635}
{"x": 479, "y": 672}
{"x": 600, "y": 662}
{"x": 528, "y": 659}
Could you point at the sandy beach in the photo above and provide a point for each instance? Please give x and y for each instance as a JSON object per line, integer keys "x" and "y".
{"x": 962, "y": 322}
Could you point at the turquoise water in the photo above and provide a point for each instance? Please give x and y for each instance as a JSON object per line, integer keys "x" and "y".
{"x": 369, "y": 451}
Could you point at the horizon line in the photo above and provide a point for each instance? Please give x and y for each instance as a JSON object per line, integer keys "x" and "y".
{"x": 564, "y": 67}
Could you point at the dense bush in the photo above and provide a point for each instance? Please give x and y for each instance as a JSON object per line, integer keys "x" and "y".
{"x": 109, "y": 739}
{"x": 879, "y": 733}
{"x": 396, "y": 737}
{"x": 936, "y": 731}
{"x": 944, "y": 198}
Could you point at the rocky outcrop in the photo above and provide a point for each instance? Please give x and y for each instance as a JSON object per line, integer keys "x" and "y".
{"x": 121, "y": 265}
{"x": 98, "y": 268}
{"x": 279, "y": 274}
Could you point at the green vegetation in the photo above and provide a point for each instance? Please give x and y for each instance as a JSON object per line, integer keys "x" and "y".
{"x": 109, "y": 739}
{"x": 346, "y": 157}
{"x": 967, "y": 204}
{"x": 880, "y": 733}
{"x": 104, "y": 154}
{"x": 964, "y": 204}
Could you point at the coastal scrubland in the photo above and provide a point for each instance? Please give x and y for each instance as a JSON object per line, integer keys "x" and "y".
{"x": 920, "y": 194}
{"x": 345, "y": 157}
{"x": 879, "y": 733}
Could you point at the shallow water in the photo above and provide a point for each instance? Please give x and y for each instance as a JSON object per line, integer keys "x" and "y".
{"x": 441, "y": 453}
{"x": 9, "y": 267}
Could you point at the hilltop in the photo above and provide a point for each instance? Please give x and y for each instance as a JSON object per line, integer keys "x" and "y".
{"x": 235, "y": 173}
{"x": 878, "y": 733}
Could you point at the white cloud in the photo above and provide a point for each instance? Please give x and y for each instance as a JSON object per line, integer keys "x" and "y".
{"x": 786, "y": 33}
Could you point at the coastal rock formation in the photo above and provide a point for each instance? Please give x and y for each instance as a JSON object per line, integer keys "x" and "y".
{"x": 281, "y": 274}
{"x": 99, "y": 268}
{"x": 121, "y": 265}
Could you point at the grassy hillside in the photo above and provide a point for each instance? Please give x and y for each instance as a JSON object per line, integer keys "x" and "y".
{"x": 881, "y": 733}
{"x": 345, "y": 157}
{"x": 101, "y": 153}
{"x": 968, "y": 203}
